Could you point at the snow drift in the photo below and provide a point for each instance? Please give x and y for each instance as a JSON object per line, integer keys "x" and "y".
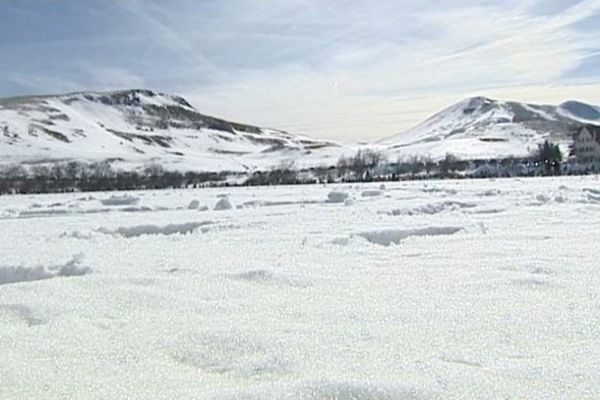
{"x": 141, "y": 230}
{"x": 387, "y": 237}
{"x": 125, "y": 200}
{"x": 74, "y": 267}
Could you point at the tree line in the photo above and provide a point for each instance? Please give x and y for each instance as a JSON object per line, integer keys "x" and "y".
{"x": 363, "y": 166}
{"x": 74, "y": 176}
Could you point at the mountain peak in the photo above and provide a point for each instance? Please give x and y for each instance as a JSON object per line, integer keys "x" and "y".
{"x": 134, "y": 127}
{"x": 125, "y": 97}
{"x": 480, "y": 100}
{"x": 481, "y": 128}
{"x": 478, "y": 103}
{"x": 129, "y": 97}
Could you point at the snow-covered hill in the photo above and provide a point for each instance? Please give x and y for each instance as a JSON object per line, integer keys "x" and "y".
{"x": 136, "y": 127}
{"x": 480, "y": 127}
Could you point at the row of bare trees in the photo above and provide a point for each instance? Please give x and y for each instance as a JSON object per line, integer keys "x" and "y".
{"x": 284, "y": 173}
{"x": 364, "y": 165}
{"x": 73, "y": 176}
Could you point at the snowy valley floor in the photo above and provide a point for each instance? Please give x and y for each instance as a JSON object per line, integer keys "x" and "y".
{"x": 419, "y": 290}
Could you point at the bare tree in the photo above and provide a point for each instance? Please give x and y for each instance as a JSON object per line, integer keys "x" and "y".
{"x": 364, "y": 162}
{"x": 15, "y": 172}
{"x": 73, "y": 171}
{"x": 428, "y": 163}
{"x": 57, "y": 172}
{"x": 323, "y": 173}
{"x": 154, "y": 170}
{"x": 449, "y": 164}
{"x": 283, "y": 173}
{"x": 343, "y": 166}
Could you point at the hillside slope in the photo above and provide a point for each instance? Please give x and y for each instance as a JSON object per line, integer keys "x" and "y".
{"x": 133, "y": 128}
{"x": 480, "y": 127}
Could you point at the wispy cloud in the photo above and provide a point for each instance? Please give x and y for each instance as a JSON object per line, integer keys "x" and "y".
{"x": 111, "y": 77}
{"x": 341, "y": 69}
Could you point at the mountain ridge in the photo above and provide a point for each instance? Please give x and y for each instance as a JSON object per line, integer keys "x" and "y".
{"x": 481, "y": 127}
{"x": 140, "y": 126}
{"x": 136, "y": 127}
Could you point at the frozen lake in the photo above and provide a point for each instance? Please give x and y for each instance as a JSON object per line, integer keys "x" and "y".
{"x": 416, "y": 290}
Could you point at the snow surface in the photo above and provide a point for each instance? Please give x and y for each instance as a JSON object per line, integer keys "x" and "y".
{"x": 474, "y": 289}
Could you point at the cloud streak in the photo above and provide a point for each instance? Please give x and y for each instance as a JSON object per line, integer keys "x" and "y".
{"x": 338, "y": 69}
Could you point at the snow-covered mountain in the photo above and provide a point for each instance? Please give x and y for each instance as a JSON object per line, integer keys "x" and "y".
{"x": 133, "y": 128}
{"x": 480, "y": 127}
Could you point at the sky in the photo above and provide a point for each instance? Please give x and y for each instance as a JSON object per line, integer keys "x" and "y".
{"x": 346, "y": 70}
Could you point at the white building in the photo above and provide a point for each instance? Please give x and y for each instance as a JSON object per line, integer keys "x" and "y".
{"x": 587, "y": 144}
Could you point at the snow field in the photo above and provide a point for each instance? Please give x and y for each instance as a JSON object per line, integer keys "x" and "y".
{"x": 475, "y": 289}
